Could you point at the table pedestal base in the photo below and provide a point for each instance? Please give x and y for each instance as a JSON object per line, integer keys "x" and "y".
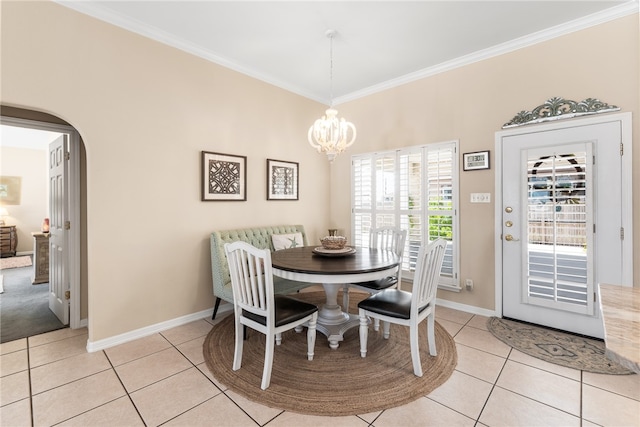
{"x": 332, "y": 321}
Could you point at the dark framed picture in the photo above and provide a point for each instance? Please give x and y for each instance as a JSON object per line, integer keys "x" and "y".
{"x": 282, "y": 180}
{"x": 224, "y": 177}
{"x": 476, "y": 160}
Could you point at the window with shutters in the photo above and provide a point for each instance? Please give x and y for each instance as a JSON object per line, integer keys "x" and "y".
{"x": 415, "y": 188}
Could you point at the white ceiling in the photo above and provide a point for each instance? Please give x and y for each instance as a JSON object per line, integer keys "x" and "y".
{"x": 379, "y": 44}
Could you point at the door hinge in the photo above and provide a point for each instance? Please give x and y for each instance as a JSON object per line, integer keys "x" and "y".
{"x": 67, "y": 294}
{"x": 67, "y": 155}
{"x": 67, "y": 225}
{"x": 594, "y": 297}
{"x": 594, "y": 228}
{"x": 621, "y": 233}
{"x": 621, "y": 149}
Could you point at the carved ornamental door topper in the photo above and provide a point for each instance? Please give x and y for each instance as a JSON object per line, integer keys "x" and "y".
{"x": 559, "y": 108}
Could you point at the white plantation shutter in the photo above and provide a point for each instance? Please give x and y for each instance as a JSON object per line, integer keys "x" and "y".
{"x": 362, "y": 190}
{"x": 415, "y": 188}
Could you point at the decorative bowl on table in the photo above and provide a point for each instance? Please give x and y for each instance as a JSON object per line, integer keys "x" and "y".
{"x": 333, "y": 242}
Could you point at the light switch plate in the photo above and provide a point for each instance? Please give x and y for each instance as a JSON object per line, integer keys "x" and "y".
{"x": 480, "y": 197}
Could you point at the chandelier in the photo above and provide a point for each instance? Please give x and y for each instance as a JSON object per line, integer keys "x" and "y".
{"x": 330, "y": 134}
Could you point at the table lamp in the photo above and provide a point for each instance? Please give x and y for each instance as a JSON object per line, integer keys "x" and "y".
{"x": 3, "y": 213}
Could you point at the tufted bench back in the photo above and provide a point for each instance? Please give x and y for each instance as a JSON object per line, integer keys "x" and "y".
{"x": 259, "y": 237}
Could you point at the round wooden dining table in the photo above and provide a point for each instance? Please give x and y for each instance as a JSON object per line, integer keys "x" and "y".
{"x": 334, "y": 270}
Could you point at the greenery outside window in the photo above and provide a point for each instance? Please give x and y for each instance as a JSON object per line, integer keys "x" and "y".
{"x": 415, "y": 188}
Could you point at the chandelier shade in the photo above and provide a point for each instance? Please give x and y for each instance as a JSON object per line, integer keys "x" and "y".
{"x": 330, "y": 134}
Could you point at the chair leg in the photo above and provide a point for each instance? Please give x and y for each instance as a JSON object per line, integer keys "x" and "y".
{"x": 431, "y": 335}
{"x": 415, "y": 350}
{"x": 376, "y": 324}
{"x": 311, "y": 336}
{"x": 237, "y": 355}
{"x": 364, "y": 333}
{"x": 215, "y": 308}
{"x": 386, "y": 330}
{"x": 268, "y": 361}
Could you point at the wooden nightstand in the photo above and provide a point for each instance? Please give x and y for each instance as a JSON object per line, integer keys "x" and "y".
{"x": 8, "y": 240}
{"x": 40, "y": 258}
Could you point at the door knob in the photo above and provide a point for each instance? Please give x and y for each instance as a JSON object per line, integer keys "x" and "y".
{"x": 509, "y": 238}
{"x": 508, "y": 209}
{"x": 508, "y": 224}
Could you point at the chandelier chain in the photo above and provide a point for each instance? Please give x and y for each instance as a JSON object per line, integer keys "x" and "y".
{"x": 331, "y": 69}
{"x": 331, "y": 134}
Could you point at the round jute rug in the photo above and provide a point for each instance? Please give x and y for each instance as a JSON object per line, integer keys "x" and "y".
{"x": 561, "y": 348}
{"x": 336, "y": 382}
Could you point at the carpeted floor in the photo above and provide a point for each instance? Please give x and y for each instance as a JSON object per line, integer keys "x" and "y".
{"x": 24, "y": 308}
{"x": 15, "y": 262}
{"x": 336, "y": 382}
{"x": 565, "y": 349}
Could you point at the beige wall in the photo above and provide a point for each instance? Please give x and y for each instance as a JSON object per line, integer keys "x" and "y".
{"x": 31, "y": 166}
{"x": 145, "y": 111}
{"x": 473, "y": 102}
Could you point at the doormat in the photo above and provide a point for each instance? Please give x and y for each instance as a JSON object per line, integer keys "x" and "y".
{"x": 15, "y": 262}
{"x": 561, "y": 348}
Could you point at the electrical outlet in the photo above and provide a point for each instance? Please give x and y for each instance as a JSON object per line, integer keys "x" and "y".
{"x": 468, "y": 283}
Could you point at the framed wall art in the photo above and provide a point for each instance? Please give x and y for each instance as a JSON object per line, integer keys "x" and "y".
{"x": 282, "y": 180}
{"x": 224, "y": 177}
{"x": 475, "y": 161}
{"x": 10, "y": 190}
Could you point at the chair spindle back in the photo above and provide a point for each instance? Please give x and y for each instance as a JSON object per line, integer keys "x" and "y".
{"x": 428, "y": 266}
{"x": 251, "y": 277}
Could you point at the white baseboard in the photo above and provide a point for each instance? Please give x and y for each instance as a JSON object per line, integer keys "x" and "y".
{"x": 93, "y": 346}
{"x": 466, "y": 308}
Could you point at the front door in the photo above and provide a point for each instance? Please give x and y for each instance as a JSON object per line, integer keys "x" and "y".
{"x": 58, "y": 271}
{"x": 561, "y": 224}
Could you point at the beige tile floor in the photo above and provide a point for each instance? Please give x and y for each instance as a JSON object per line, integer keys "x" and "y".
{"x": 50, "y": 379}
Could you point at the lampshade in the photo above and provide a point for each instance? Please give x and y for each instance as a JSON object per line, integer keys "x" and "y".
{"x": 4, "y": 212}
{"x": 329, "y": 134}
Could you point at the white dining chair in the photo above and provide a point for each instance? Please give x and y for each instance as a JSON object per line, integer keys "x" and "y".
{"x": 389, "y": 238}
{"x": 408, "y": 308}
{"x": 256, "y": 306}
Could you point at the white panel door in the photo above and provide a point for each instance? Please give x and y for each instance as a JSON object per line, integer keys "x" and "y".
{"x": 58, "y": 271}
{"x": 561, "y": 222}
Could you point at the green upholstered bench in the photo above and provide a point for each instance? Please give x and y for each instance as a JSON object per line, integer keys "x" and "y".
{"x": 259, "y": 237}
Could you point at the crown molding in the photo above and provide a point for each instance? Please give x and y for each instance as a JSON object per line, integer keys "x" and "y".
{"x": 511, "y": 46}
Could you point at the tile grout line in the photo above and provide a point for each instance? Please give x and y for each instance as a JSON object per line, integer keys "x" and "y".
{"x": 212, "y": 383}
{"x": 30, "y": 389}
{"x": 494, "y": 385}
{"x": 113, "y": 368}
